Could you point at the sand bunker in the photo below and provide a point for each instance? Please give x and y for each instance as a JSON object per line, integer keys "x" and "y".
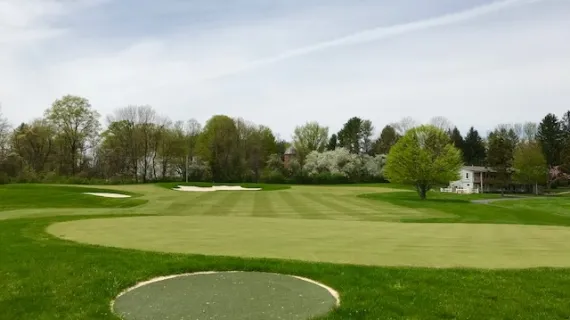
{"x": 213, "y": 188}
{"x": 108, "y": 195}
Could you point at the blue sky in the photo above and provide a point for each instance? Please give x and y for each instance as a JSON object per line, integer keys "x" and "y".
{"x": 282, "y": 63}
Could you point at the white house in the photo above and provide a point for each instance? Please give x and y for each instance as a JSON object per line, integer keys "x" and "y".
{"x": 472, "y": 180}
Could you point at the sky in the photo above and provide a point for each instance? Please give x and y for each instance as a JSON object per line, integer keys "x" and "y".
{"x": 283, "y": 63}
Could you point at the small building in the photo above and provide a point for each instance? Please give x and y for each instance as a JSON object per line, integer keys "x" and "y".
{"x": 290, "y": 153}
{"x": 478, "y": 179}
{"x": 472, "y": 179}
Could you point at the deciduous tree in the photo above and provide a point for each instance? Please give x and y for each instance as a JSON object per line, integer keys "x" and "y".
{"x": 441, "y": 123}
{"x": 75, "y": 123}
{"x": 404, "y": 125}
{"x": 530, "y": 165}
{"x": 310, "y": 137}
{"x": 4, "y": 135}
{"x": 34, "y": 143}
{"x": 423, "y": 157}
{"x": 218, "y": 145}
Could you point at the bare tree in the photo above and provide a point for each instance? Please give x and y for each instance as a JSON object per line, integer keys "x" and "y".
{"x": 442, "y": 123}
{"x": 4, "y": 134}
{"x": 530, "y": 130}
{"x": 404, "y": 125}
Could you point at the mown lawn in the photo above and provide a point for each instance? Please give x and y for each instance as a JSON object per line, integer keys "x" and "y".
{"x": 540, "y": 211}
{"x": 44, "y": 277}
{"x": 25, "y": 196}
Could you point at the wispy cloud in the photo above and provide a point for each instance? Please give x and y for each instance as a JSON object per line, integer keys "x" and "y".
{"x": 379, "y": 33}
{"x": 477, "y": 62}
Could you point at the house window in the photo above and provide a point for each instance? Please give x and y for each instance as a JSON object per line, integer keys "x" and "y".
{"x": 467, "y": 175}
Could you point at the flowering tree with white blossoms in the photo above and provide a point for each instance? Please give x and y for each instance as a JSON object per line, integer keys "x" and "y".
{"x": 341, "y": 162}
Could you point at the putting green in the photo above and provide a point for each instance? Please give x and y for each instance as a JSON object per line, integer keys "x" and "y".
{"x": 355, "y": 242}
{"x": 226, "y": 295}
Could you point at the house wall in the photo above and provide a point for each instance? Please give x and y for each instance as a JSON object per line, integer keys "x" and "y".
{"x": 466, "y": 179}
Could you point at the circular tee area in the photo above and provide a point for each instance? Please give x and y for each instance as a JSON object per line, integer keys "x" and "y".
{"x": 226, "y": 295}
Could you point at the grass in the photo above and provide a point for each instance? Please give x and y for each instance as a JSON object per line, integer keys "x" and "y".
{"x": 46, "y": 278}
{"x": 26, "y": 196}
{"x": 553, "y": 211}
{"x": 354, "y": 242}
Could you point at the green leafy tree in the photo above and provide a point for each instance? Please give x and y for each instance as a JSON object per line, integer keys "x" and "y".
{"x": 388, "y": 138}
{"x": 218, "y": 145}
{"x": 333, "y": 142}
{"x": 310, "y": 137}
{"x": 355, "y": 136}
{"x": 366, "y": 132}
{"x": 474, "y": 152}
{"x": 551, "y": 136}
{"x": 457, "y": 139}
{"x": 500, "y": 154}
{"x": 423, "y": 157}
{"x": 530, "y": 165}
{"x": 349, "y": 135}
{"x": 75, "y": 123}
{"x": 34, "y": 144}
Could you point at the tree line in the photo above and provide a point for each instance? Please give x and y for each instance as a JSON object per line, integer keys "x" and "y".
{"x": 135, "y": 144}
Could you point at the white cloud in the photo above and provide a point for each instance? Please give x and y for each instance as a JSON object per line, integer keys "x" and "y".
{"x": 499, "y": 62}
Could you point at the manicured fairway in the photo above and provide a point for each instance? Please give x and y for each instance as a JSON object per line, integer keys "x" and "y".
{"x": 44, "y": 277}
{"x": 355, "y": 242}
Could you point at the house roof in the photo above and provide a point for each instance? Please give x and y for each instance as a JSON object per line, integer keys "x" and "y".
{"x": 478, "y": 169}
{"x": 291, "y": 151}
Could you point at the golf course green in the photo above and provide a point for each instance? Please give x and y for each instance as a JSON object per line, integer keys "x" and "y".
{"x": 66, "y": 254}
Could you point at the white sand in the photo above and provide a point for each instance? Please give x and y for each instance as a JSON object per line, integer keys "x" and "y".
{"x": 108, "y": 195}
{"x": 213, "y": 188}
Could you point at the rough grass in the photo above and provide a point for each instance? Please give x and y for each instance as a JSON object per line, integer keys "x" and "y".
{"x": 46, "y": 278}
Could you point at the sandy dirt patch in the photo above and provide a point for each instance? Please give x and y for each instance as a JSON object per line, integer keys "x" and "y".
{"x": 108, "y": 195}
{"x": 213, "y": 188}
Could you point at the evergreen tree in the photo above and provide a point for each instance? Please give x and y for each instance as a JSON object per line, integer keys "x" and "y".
{"x": 474, "y": 152}
{"x": 500, "y": 154}
{"x": 387, "y": 139}
{"x": 457, "y": 139}
{"x": 332, "y": 143}
{"x": 550, "y": 136}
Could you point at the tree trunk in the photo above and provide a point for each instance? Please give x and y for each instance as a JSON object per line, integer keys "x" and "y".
{"x": 422, "y": 191}
{"x": 536, "y": 188}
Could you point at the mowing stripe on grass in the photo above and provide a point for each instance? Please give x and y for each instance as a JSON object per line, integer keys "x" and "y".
{"x": 302, "y": 208}
{"x": 243, "y": 204}
{"x": 384, "y": 211}
{"x": 226, "y": 201}
{"x": 262, "y": 206}
{"x": 337, "y": 211}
